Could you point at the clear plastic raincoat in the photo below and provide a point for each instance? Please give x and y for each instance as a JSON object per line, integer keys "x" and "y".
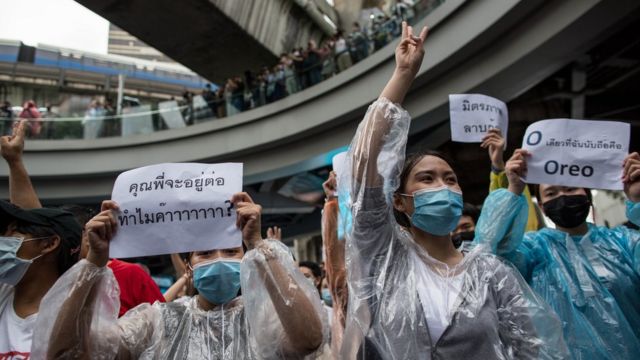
{"x": 249, "y": 327}
{"x": 489, "y": 311}
{"x": 592, "y": 281}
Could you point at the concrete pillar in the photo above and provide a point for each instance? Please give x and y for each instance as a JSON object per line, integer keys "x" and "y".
{"x": 348, "y": 12}
{"x": 279, "y": 25}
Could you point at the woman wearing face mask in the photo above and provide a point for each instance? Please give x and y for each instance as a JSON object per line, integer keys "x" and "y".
{"x": 590, "y": 275}
{"x": 250, "y": 306}
{"x": 412, "y": 295}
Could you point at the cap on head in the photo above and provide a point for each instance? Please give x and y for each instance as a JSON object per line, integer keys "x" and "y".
{"x": 62, "y": 223}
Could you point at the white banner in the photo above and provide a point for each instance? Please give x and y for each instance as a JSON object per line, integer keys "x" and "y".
{"x": 172, "y": 208}
{"x": 472, "y": 115}
{"x": 345, "y": 220}
{"x": 171, "y": 114}
{"x": 339, "y": 162}
{"x": 578, "y": 153}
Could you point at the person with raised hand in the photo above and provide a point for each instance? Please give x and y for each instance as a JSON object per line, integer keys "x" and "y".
{"x": 412, "y": 295}
{"x": 494, "y": 142}
{"x": 254, "y": 305}
{"x": 588, "y": 274}
{"x": 135, "y": 285}
{"x": 37, "y": 246}
{"x": 21, "y": 191}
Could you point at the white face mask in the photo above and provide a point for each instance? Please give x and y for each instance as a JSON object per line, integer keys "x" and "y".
{"x": 13, "y": 268}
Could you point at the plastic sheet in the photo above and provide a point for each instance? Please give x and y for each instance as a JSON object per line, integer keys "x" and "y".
{"x": 494, "y": 316}
{"x": 248, "y": 327}
{"x": 591, "y": 282}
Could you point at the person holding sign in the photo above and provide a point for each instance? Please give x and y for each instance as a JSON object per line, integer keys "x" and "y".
{"x": 412, "y": 295}
{"x": 495, "y": 143}
{"x": 250, "y": 306}
{"x": 135, "y": 285}
{"x": 588, "y": 274}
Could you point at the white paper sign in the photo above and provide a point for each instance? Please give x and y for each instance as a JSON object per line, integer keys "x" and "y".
{"x": 345, "y": 220}
{"x": 171, "y": 114}
{"x": 472, "y": 115}
{"x": 579, "y": 153}
{"x": 339, "y": 162}
{"x": 172, "y": 208}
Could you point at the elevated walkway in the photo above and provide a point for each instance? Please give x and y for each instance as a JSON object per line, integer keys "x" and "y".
{"x": 217, "y": 39}
{"x": 499, "y": 48}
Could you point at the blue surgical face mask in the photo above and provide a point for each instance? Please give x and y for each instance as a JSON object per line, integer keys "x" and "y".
{"x": 436, "y": 211}
{"x": 326, "y": 297}
{"x": 13, "y": 268}
{"x": 218, "y": 280}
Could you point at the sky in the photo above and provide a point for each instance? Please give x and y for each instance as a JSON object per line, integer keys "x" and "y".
{"x": 62, "y": 23}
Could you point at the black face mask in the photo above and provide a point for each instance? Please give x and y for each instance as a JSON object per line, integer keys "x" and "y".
{"x": 567, "y": 211}
{"x": 458, "y": 238}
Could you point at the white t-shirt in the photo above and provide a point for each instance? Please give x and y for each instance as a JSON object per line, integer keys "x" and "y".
{"x": 15, "y": 332}
{"x": 438, "y": 295}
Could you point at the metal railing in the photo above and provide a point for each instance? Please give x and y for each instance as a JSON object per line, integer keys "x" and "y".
{"x": 145, "y": 119}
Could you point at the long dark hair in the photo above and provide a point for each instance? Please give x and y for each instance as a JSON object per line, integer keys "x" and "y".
{"x": 410, "y": 162}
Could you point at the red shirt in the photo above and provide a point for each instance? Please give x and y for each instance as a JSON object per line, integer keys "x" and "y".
{"x": 136, "y": 286}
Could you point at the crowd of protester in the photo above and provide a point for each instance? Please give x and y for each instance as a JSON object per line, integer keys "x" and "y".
{"x": 295, "y": 71}
{"x": 301, "y": 68}
{"x": 410, "y": 270}
{"x": 99, "y": 120}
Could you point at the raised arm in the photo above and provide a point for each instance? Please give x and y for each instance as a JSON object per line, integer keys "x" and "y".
{"x": 631, "y": 182}
{"x": 268, "y": 266}
{"x": 375, "y": 158}
{"x": 79, "y": 318}
{"x": 495, "y": 143}
{"x": 504, "y": 215}
{"x": 335, "y": 266}
{"x": 373, "y": 165}
{"x": 371, "y": 134}
{"x": 21, "y": 191}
